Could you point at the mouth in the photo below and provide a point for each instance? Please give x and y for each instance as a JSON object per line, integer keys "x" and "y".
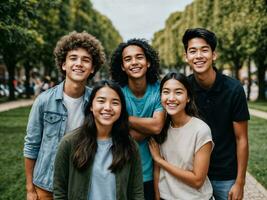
{"x": 79, "y": 71}
{"x": 135, "y": 69}
{"x": 199, "y": 63}
{"x": 106, "y": 115}
{"x": 172, "y": 105}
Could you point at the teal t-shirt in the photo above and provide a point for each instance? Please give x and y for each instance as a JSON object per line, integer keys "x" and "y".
{"x": 144, "y": 107}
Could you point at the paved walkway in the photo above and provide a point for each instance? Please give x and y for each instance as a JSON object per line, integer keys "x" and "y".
{"x": 253, "y": 189}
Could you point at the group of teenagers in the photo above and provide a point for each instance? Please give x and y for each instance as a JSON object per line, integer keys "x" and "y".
{"x": 136, "y": 137}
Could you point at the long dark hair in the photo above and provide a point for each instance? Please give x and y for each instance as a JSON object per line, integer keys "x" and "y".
{"x": 119, "y": 76}
{"x": 122, "y": 148}
{"x": 190, "y": 108}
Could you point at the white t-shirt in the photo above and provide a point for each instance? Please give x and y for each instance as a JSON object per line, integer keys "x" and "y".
{"x": 75, "y": 112}
{"x": 179, "y": 149}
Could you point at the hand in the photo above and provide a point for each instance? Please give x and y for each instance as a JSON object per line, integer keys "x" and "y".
{"x": 154, "y": 149}
{"x": 137, "y": 136}
{"x": 236, "y": 192}
{"x": 32, "y": 195}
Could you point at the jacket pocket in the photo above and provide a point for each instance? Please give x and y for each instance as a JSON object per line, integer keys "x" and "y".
{"x": 52, "y": 124}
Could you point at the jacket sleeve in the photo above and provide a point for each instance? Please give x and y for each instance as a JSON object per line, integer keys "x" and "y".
{"x": 136, "y": 190}
{"x": 34, "y": 131}
{"x": 61, "y": 173}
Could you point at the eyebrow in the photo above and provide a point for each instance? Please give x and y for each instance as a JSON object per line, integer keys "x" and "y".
{"x": 199, "y": 47}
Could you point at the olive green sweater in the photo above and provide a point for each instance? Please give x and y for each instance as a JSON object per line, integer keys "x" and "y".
{"x": 72, "y": 184}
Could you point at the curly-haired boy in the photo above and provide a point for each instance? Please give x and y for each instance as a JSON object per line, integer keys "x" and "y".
{"x": 135, "y": 66}
{"x": 59, "y": 109}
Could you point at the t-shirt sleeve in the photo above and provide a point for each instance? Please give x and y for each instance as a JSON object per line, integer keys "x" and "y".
{"x": 239, "y": 105}
{"x": 158, "y": 106}
{"x": 203, "y": 137}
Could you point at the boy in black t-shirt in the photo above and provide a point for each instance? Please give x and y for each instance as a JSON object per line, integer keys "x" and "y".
{"x": 222, "y": 104}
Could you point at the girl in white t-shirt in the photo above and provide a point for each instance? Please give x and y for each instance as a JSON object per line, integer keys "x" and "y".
{"x": 183, "y": 156}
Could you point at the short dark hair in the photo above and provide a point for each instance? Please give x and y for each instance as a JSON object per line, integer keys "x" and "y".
{"x": 75, "y": 40}
{"x": 203, "y": 33}
{"x": 119, "y": 76}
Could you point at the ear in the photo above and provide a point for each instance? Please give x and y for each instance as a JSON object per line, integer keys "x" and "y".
{"x": 214, "y": 55}
{"x": 64, "y": 66}
{"x": 188, "y": 100}
{"x": 122, "y": 67}
{"x": 92, "y": 70}
{"x": 185, "y": 57}
{"x": 148, "y": 64}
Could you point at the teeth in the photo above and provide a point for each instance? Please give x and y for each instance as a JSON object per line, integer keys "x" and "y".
{"x": 106, "y": 115}
{"x": 199, "y": 63}
{"x": 136, "y": 69}
{"x": 78, "y": 70}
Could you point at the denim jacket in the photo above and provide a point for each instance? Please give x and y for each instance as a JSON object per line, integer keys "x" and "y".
{"x": 46, "y": 126}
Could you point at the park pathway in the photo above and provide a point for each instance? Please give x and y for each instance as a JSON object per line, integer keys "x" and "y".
{"x": 253, "y": 189}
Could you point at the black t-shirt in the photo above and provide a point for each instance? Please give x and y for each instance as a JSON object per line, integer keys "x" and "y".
{"x": 221, "y": 105}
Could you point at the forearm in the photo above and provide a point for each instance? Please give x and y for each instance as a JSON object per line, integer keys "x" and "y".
{"x": 156, "y": 181}
{"x": 147, "y": 126}
{"x": 29, "y": 167}
{"x": 188, "y": 177}
{"x": 241, "y": 133}
{"x": 137, "y": 135}
{"x": 242, "y": 160}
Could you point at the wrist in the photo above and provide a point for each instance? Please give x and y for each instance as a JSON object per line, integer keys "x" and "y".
{"x": 30, "y": 187}
{"x": 240, "y": 182}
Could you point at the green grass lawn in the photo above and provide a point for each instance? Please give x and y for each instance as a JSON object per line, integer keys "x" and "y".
{"x": 257, "y": 164}
{"x": 12, "y": 132}
{"x": 258, "y": 105}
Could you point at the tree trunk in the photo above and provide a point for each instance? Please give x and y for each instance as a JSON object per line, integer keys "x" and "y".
{"x": 11, "y": 65}
{"x": 261, "y": 77}
{"x": 27, "y": 68}
{"x": 249, "y": 79}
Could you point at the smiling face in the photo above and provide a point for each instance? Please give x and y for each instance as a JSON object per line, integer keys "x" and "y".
{"x": 174, "y": 97}
{"x": 199, "y": 55}
{"x": 106, "y": 107}
{"x": 134, "y": 61}
{"x": 78, "y": 65}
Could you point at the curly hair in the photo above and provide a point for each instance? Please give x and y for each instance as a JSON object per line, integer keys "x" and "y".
{"x": 75, "y": 40}
{"x": 119, "y": 76}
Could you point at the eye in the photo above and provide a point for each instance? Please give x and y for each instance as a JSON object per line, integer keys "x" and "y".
{"x": 87, "y": 60}
{"x": 165, "y": 92}
{"x": 192, "y": 51}
{"x": 140, "y": 57}
{"x": 127, "y": 59}
{"x": 100, "y": 101}
{"x": 116, "y": 103}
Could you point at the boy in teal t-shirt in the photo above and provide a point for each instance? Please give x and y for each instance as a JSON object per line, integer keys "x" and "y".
{"x": 134, "y": 65}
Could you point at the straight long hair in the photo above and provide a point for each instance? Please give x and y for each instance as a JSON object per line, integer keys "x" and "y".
{"x": 190, "y": 108}
{"x": 123, "y": 147}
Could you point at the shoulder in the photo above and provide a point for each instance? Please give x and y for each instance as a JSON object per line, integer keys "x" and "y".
{"x": 70, "y": 138}
{"x": 231, "y": 84}
{"x": 201, "y": 127}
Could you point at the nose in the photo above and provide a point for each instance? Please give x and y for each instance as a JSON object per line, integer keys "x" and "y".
{"x": 107, "y": 106}
{"x": 78, "y": 62}
{"x": 171, "y": 97}
{"x": 199, "y": 54}
{"x": 133, "y": 61}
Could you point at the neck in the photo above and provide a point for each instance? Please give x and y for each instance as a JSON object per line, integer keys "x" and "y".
{"x": 73, "y": 89}
{"x": 180, "y": 119}
{"x": 103, "y": 132}
{"x": 207, "y": 79}
{"x": 138, "y": 86}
